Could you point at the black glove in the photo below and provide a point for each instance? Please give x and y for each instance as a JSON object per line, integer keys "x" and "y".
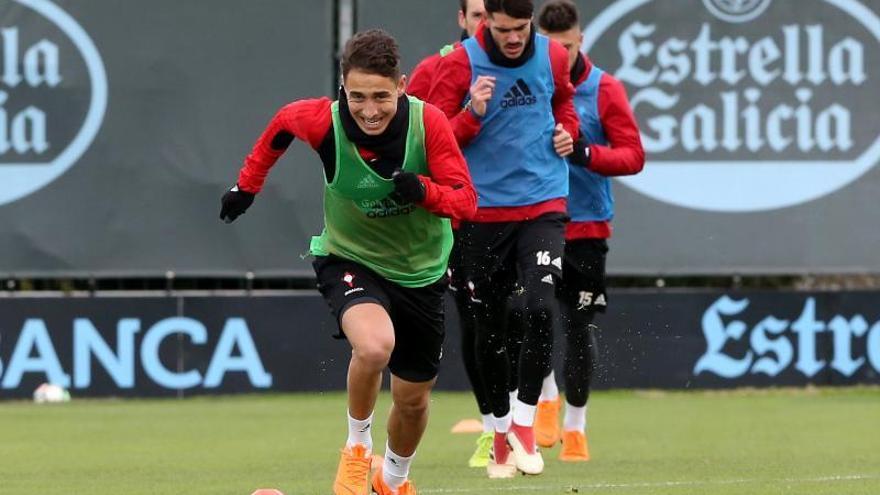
{"x": 407, "y": 188}
{"x": 581, "y": 154}
{"x": 234, "y": 203}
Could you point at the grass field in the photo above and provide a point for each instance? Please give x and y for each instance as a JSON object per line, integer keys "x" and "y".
{"x": 744, "y": 442}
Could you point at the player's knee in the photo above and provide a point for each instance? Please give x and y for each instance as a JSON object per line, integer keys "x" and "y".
{"x": 539, "y": 306}
{"x": 413, "y": 406}
{"x": 374, "y": 354}
{"x": 577, "y": 331}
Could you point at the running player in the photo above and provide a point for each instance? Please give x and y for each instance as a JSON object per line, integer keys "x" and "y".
{"x": 514, "y": 143}
{"x": 393, "y": 177}
{"x": 471, "y": 13}
{"x": 609, "y": 146}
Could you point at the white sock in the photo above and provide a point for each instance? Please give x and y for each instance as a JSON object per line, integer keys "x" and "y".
{"x": 549, "y": 390}
{"x": 513, "y": 395}
{"x": 524, "y": 414}
{"x": 488, "y": 423}
{"x": 502, "y": 424}
{"x": 359, "y": 432}
{"x": 395, "y": 469}
{"x": 575, "y": 418}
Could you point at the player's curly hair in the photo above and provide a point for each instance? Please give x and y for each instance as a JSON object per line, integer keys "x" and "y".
{"x": 557, "y": 16}
{"x": 373, "y": 51}
{"x": 518, "y": 9}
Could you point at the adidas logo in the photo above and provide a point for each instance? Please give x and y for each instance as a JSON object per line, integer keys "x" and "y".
{"x": 518, "y": 95}
{"x": 548, "y": 279}
{"x": 368, "y": 182}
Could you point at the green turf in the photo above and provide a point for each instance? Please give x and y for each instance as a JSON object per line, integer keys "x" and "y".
{"x": 812, "y": 442}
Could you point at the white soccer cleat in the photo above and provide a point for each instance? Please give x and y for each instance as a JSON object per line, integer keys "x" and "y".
{"x": 527, "y": 458}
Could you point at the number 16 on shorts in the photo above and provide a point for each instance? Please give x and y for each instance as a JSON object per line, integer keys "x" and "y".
{"x": 543, "y": 259}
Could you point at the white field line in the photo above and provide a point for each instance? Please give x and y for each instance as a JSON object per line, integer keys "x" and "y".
{"x": 654, "y": 484}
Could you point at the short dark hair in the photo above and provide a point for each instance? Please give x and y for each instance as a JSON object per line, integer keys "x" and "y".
{"x": 463, "y": 4}
{"x": 518, "y": 9}
{"x": 558, "y": 15}
{"x": 373, "y": 51}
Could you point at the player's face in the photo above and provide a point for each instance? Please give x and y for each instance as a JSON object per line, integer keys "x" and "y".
{"x": 372, "y": 99}
{"x": 571, "y": 40}
{"x": 509, "y": 33}
{"x": 475, "y": 14}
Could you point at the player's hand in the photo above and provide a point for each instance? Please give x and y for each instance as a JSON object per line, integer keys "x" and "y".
{"x": 581, "y": 154}
{"x": 481, "y": 93}
{"x": 562, "y": 141}
{"x": 408, "y": 188}
{"x": 234, "y": 203}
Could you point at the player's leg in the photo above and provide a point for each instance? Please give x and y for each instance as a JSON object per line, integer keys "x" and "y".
{"x": 514, "y": 314}
{"x": 584, "y": 296}
{"x": 495, "y": 370}
{"x": 540, "y": 244}
{"x": 371, "y": 335}
{"x": 419, "y": 334}
{"x": 461, "y": 297}
{"x": 365, "y": 322}
{"x": 406, "y": 425}
{"x": 486, "y": 247}
{"x": 547, "y": 431}
{"x": 480, "y": 456}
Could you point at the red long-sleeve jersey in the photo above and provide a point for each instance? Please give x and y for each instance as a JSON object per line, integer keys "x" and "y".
{"x": 422, "y": 76}
{"x": 451, "y": 85}
{"x": 449, "y": 191}
{"x": 624, "y": 154}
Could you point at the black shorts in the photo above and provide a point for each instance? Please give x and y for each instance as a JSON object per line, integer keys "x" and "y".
{"x": 416, "y": 313}
{"x": 583, "y": 275}
{"x": 496, "y": 256}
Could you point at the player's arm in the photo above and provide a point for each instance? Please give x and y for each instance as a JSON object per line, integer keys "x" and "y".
{"x": 448, "y": 190}
{"x": 450, "y": 86}
{"x": 624, "y": 154}
{"x": 308, "y": 120}
{"x": 563, "y": 95}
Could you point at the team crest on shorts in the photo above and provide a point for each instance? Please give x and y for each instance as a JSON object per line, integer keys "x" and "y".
{"x": 348, "y": 278}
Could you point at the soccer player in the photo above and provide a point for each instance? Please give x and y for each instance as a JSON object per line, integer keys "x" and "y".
{"x": 609, "y": 146}
{"x": 393, "y": 176}
{"x": 471, "y": 13}
{"x": 514, "y": 143}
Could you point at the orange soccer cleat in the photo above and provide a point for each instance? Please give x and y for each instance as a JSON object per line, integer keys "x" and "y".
{"x": 547, "y": 431}
{"x": 379, "y": 486}
{"x": 574, "y": 447}
{"x": 353, "y": 475}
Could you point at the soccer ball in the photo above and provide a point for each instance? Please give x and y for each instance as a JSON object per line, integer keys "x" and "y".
{"x": 50, "y": 393}
{"x": 267, "y": 491}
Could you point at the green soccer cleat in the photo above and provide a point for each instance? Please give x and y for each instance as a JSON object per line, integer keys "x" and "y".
{"x": 480, "y": 459}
